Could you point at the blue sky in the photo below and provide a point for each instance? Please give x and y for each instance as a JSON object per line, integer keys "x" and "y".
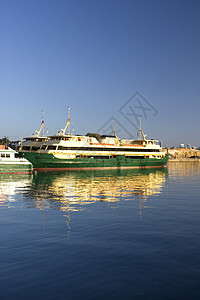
{"x": 94, "y": 56}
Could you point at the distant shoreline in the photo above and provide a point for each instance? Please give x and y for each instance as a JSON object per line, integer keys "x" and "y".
{"x": 183, "y": 155}
{"x": 184, "y": 160}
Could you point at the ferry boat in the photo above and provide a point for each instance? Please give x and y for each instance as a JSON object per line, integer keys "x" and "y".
{"x": 64, "y": 151}
{"x": 10, "y": 164}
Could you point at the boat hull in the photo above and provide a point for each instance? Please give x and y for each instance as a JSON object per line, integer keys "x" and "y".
{"x": 15, "y": 168}
{"x": 48, "y": 162}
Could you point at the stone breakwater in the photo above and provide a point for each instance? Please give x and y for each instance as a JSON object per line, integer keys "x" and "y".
{"x": 183, "y": 154}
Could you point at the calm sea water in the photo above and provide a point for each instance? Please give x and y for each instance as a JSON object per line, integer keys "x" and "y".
{"x": 101, "y": 235}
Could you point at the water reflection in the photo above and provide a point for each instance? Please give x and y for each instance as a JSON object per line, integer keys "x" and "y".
{"x": 12, "y": 184}
{"x": 180, "y": 170}
{"x": 71, "y": 191}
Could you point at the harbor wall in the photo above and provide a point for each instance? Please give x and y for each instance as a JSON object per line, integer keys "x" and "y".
{"x": 183, "y": 154}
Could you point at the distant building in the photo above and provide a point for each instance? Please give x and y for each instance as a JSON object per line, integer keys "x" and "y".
{"x": 181, "y": 145}
{"x": 189, "y": 146}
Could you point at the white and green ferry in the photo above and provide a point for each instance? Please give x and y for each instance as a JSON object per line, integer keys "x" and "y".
{"x": 10, "y": 164}
{"x": 64, "y": 151}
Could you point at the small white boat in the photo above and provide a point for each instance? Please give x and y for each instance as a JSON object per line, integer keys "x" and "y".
{"x": 10, "y": 164}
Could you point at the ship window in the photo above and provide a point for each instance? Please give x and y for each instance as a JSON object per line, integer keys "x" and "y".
{"x": 25, "y": 148}
{"x": 35, "y": 148}
{"x": 121, "y": 149}
{"x": 51, "y": 147}
{"x": 7, "y": 155}
{"x": 3, "y": 155}
{"x": 63, "y": 148}
{"x": 66, "y": 138}
{"x": 135, "y": 157}
{"x": 43, "y": 147}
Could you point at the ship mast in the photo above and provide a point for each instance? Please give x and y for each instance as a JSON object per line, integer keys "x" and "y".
{"x": 141, "y": 132}
{"x": 67, "y": 124}
{"x": 114, "y": 130}
{"x": 42, "y": 125}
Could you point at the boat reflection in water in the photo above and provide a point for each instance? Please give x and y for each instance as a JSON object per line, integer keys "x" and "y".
{"x": 71, "y": 191}
{"x": 74, "y": 191}
{"x": 13, "y": 184}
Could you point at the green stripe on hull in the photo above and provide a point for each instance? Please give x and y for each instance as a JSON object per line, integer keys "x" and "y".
{"x": 48, "y": 161}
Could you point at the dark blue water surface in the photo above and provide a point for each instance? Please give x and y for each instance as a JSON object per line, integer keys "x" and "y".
{"x": 101, "y": 235}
